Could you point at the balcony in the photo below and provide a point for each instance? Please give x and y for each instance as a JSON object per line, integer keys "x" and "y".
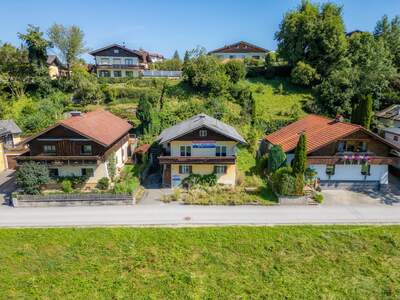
{"x": 117, "y": 67}
{"x": 222, "y": 160}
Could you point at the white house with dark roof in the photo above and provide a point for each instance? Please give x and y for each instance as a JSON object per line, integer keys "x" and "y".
{"x": 200, "y": 145}
{"x": 239, "y": 50}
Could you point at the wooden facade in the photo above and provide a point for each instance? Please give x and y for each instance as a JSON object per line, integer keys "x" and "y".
{"x": 195, "y": 136}
{"x": 122, "y": 52}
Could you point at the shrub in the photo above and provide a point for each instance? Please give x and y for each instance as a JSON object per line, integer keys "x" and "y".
{"x": 318, "y": 198}
{"x": 299, "y": 186}
{"x": 103, "y": 183}
{"x": 202, "y": 180}
{"x": 235, "y": 69}
{"x": 276, "y": 158}
{"x": 284, "y": 182}
{"x": 31, "y": 176}
{"x": 304, "y": 75}
{"x": 112, "y": 165}
{"x": 66, "y": 186}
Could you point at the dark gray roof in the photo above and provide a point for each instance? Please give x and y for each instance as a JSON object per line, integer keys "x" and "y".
{"x": 10, "y": 126}
{"x": 3, "y": 131}
{"x": 394, "y": 130}
{"x": 196, "y": 122}
{"x": 392, "y": 112}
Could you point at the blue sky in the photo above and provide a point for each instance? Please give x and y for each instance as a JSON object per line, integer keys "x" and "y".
{"x": 163, "y": 26}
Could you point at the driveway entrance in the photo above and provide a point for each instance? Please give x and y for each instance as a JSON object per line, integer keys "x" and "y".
{"x": 7, "y": 186}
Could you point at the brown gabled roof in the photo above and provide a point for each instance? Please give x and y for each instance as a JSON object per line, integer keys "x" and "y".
{"x": 143, "y": 148}
{"x": 239, "y": 47}
{"x": 100, "y": 126}
{"x": 319, "y": 131}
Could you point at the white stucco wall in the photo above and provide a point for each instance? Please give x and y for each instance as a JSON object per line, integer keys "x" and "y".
{"x": 99, "y": 171}
{"x": 353, "y": 173}
{"x": 391, "y": 136}
{"x": 239, "y": 55}
{"x": 205, "y": 152}
{"x": 121, "y": 155}
{"x": 114, "y": 60}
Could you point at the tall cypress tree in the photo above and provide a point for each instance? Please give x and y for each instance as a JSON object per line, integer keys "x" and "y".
{"x": 300, "y": 156}
{"x": 362, "y": 112}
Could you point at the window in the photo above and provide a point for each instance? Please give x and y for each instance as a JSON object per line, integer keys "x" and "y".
{"x": 330, "y": 170}
{"x": 220, "y": 151}
{"x": 104, "y": 73}
{"x": 396, "y": 138}
{"x": 203, "y": 133}
{"x": 128, "y": 61}
{"x": 104, "y": 61}
{"x": 186, "y": 151}
{"x": 53, "y": 173}
{"x": 87, "y": 172}
{"x": 231, "y": 56}
{"x": 220, "y": 169}
{"x": 116, "y": 51}
{"x": 49, "y": 149}
{"x": 86, "y": 149}
{"x": 366, "y": 169}
{"x": 129, "y": 73}
{"x": 352, "y": 146}
{"x": 116, "y": 61}
{"x": 117, "y": 74}
{"x": 185, "y": 169}
{"x": 256, "y": 56}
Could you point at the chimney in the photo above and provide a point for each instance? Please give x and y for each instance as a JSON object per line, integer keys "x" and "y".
{"x": 339, "y": 118}
{"x": 75, "y": 113}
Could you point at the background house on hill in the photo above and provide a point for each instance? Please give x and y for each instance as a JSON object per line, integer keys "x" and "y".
{"x": 240, "y": 50}
{"x": 9, "y": 136}
{"x": 81, "y": 146}
{"x": 200, "y": 145}
{"x": 56, "y": 67}
{"x": 343, "y": 154}
{"x": 390, "y": 117}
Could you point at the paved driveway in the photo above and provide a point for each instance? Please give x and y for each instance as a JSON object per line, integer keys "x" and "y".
{"x": 7, "y": 185}
{"x": 344, "y": 197}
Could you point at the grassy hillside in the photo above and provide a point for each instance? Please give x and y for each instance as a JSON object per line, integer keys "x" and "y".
{"x": 334, "y": 262}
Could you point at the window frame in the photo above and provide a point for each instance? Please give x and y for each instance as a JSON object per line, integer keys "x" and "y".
{"x": 83, "y": 152}
{"x": 104, "y": 61}
{"x": 218, "y": 168}
{"x": 219, "y": 151}
{"x": 332, "y": 167}
{"x": 49, "y": 152}
{"x": 117, "y": 72}
{"x": 185, "y": 150}
{"x": 185, "y": 169}
{"x": 84, "y": 170}
{"x": 54, "y": 175}
{"x": 129, "y": 61}
{"x": 203, "y": 133}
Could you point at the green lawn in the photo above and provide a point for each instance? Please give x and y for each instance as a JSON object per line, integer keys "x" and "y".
{"x": 298, "y": 262}
{"x": 271, "y": 104}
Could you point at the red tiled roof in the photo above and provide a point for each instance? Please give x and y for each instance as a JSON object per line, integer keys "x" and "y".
{"x": 100, "y": 126}
{"x": 319, "y": 132}
{"x": 143, "y": 148}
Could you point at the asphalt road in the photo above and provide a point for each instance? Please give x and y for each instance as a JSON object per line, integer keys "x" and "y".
{"x": 181, "y": 215}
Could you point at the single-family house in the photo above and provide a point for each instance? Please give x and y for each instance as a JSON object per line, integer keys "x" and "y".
{"x": 81, "y": 145}
{"x": 9, "y": 136}
{"x": 240, "y": 50}
{"x": 390, "y": 116}
{"x": 200, "y": 145}
{"x": 342, "y": 154}
{"x": 56, "y": 68}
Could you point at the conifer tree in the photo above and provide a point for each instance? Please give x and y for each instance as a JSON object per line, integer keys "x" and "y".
{"x": 300, "y": 156}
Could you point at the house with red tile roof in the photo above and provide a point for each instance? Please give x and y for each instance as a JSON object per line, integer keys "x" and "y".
{"x": 342, "y": 154}
{"x": 80, "y": 146}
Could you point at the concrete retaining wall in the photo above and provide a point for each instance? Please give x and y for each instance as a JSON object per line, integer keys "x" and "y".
{"x": 293, "y": 200}
{"x": 72, "y": 200}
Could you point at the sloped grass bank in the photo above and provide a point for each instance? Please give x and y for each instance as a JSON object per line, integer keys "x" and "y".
{"x": 332, "y": 262}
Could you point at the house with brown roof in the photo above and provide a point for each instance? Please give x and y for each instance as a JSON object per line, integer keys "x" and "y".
{"x": 119, "y": 61}
{"x": 240, "y": 50}
{"x": 80, "y": 146}
{"x": 342, "y": 154}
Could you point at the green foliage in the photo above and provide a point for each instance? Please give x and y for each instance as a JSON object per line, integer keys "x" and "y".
{"x": 283, "y": 181}
{"x": 201, "y": 180}
{"x": 69, "y": 41}
{"x": 128, "y": 181}
{"x": 313, "y": 34}
{"x": 85, "y": 86}
{"x": 31, "y": 176}
{"x": 112, "y": 165}
{"x": 319, "y": 198}
{"x": 300, "y": 156}
{"x": 304, "y": 75}
{"x": 103, "y": 184}
{"x": 299, "y": 185}
{"x": 362, "y": 112}
{"x": 66, "y": 186}
{"x": 276, "y": 158}
{"x": 206, "y": 74}
{"x": 176, "y": 55}
{"x": 36, "y": 44}
{"x": 235, "y": 69}
{"x": 389, "y": 31}
{"x": 168, "y": 65}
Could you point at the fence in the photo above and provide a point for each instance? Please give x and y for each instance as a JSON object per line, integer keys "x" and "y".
{"x": 158, "y": 73}
{"x": 72, "y": 200}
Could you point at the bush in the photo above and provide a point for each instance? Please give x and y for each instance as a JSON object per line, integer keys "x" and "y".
{"x": 318, "y": 198}
{"x": 103, "y": 184}
{"x": 276, "y": 158}
{"x": 31, "y": 176}
{"x": 304, "y": 75}
{"x": 235, "y": 69}
{"x": 66, "y": 186}
{"x": 283, "y": 181}
{"x": 202, "y": 180}
{"x": 299, "y": 186}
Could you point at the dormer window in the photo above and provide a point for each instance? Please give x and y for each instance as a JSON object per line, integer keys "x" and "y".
{"x": 203, "y": 133}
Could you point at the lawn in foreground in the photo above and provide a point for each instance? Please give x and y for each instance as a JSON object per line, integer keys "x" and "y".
{"x": 334, "y": 262}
